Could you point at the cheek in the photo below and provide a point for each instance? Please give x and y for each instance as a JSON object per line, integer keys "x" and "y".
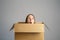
{"x": 28, "y": 20}
{"x": 32, "y": 20}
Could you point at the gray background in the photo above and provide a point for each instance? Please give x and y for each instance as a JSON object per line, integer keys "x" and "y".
{"x": 12, "y": 11}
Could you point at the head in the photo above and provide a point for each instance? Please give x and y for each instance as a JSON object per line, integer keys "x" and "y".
{"x": 30, "y": 19}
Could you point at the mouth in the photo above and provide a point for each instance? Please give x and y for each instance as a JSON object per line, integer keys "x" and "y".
{"x": 30, "y": 22}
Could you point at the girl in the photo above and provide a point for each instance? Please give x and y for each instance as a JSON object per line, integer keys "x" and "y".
{"x": 30, "y": 19}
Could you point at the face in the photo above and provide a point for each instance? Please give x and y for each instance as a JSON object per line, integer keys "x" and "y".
{"x": 30, "y": 19}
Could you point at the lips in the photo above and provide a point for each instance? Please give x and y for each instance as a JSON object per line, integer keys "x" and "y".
{"x": 30, "y": 22}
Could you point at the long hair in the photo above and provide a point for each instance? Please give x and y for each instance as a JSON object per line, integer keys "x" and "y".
{"x": 28, "y": 16}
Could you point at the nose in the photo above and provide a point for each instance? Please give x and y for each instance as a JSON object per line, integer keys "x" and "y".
{"x": 30, "y": 20}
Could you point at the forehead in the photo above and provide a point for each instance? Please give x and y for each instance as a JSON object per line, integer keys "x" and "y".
{"x": 30, "y": 16}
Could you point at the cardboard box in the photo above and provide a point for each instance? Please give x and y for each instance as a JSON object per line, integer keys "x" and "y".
{"x": 24, "y": 31}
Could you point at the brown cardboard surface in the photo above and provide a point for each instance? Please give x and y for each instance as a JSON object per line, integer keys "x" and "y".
{"x": 29, "y": 28}
{"x": 25, "y": 31}
{"x": 29, "y": 36}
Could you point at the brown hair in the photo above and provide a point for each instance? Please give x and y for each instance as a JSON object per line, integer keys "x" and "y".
{"x": 28, "y": 16}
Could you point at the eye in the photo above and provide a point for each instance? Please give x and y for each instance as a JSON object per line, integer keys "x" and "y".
{"x": 32, "y": 18}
